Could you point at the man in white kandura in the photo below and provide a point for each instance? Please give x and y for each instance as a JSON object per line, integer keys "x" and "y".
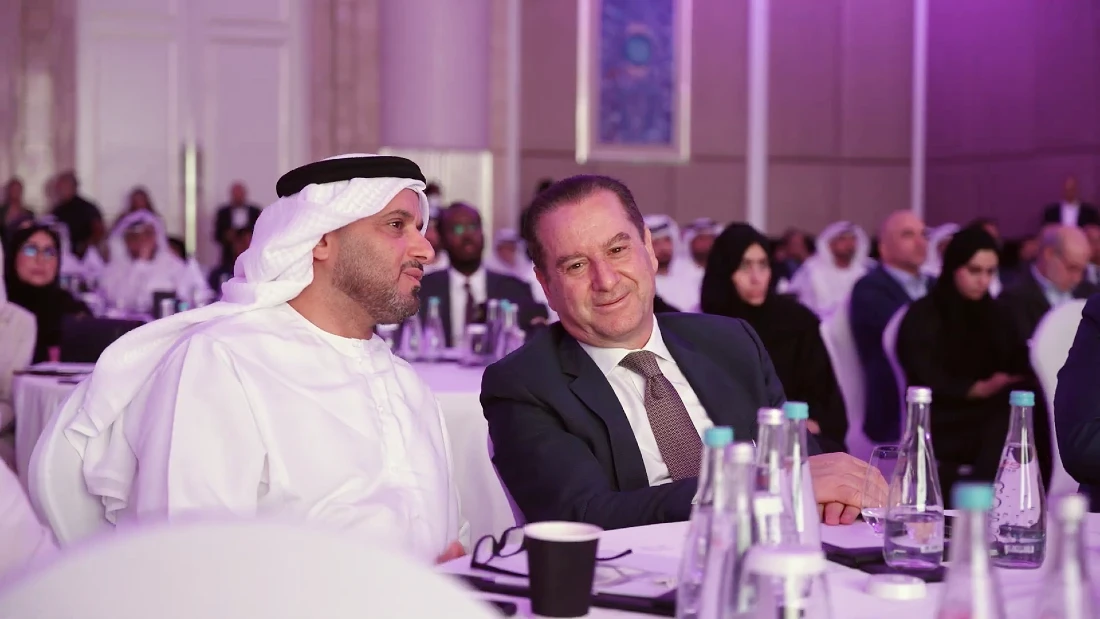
{"x": 142, "y": 264}
{"x": 278, "y": 401}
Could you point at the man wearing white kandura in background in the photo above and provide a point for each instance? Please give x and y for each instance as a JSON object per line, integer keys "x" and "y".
{"x": 278, "y": 401}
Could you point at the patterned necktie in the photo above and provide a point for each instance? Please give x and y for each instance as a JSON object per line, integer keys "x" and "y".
{"x": 471, "y": 306}
{"x": 677, "y": 438}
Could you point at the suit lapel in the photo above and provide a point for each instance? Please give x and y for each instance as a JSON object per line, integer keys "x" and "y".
{"x": 445, "y": 307}
{"x": 591, "y": 387}
{"x": 714, "y": 388}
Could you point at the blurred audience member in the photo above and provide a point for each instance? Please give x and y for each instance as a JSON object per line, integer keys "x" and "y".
{"x": 738, "y": 283}
{"x": 237, "y": 214}
{"x": 989, "y": 225}
{"x": 137, "y": 200}
{"x": 143, "y": 263}
{"x": 1093, "y": 274}
{"x": 953, "y": 341}
{"x": 464, "y": 288}
{"x": 674, "y": 286}
{"x": 1056, "y": 276}
{"x": 1077, "y": 405}
{"x": 508, "y": 255}
{"x": 897, "y": 281}
{"x": 793, "y": 249}
{"x": 434, "y": 193}
{"x": 826, "y": 279}
{"x": 224, "y": 272}
{"x": 32, "y": 270}
{"x": 80, "y": 216}
{"x": 1071, "y": 211}
{"x": 13, "y": 212}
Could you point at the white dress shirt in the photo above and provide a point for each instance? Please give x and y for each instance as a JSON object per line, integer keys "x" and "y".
{"x": 458, "y": 299}
{"x": 1070, "y": 211}
{"x": 263, "y": 414}
{"x": 629, "y": 387}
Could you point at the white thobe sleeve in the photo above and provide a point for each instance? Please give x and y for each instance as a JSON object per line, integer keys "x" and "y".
{"x": 197, "y": 443}
{"x": 22, "y": 539}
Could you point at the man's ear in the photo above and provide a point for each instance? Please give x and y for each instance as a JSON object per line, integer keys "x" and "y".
{"x": 325, "y": 249}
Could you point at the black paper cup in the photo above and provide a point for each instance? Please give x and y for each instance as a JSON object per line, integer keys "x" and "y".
{"x": 561, "y": 564}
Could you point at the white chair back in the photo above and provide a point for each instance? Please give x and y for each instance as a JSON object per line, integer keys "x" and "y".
{"x": 890, "y": 347}
{"x": 17, "y": 331}
{"x": 1049, "y": 348}
{"x": 56, "y": 479}
{"x": 235, "y": 569}
{"x": 836, "y": 333}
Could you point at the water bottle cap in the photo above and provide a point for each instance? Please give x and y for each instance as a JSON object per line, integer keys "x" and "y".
{"x": 718, "y": 436}
{"x": 433, "y": 300}
{"x": 796, "y": 410}
{"x": 742, "y": 453}
{"x": 1072, "y": 507}
{"x": 918, "y": 395}
{"x": 770, "y": 417}
{"x": 896, "y": 587}
{"x": 1021, "y": 398}
{"x": 972, "y": 496}
{"x": 785, "y": 561}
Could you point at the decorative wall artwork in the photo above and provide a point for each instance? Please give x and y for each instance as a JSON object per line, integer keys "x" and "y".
{"x": 633, "y": 95}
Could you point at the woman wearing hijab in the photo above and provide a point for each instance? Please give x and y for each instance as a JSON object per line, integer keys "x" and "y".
{"x": 954, "y": 340}
{"x": 31, "y": 274}
{"x": 738, "y": 283}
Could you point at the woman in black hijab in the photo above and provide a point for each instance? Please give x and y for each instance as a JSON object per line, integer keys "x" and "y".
{"x": 738, "y": 283}
{"x": 956, "y": 341}
{"x": 31, "y": 271}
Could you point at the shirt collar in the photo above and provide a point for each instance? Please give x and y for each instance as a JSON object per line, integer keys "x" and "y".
{"x": 477, "y": 278}
{"x": 904, "y": 277}
{"x": 607, "y": 359}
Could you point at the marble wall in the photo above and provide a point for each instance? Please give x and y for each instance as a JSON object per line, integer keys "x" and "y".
{"x": 37, "y": 91}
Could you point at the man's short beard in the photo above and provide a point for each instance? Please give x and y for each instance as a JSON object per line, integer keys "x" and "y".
{"x": 357, "y": 275}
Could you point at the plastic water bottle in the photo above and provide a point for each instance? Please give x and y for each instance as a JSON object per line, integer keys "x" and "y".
{"x": 1019, "y": 509}
{"x": 970, "y": 588}
{"x": 702, "y": 548}
{"x": 799, "y": 484}
{"x": 734, "y": 515}
{"x": 1067, "y": 593}
{"x": 432, "y": 341}
{"x": 913, "y": 535}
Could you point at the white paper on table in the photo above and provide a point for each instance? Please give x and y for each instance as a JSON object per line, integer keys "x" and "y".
{"x": 61, "y": 367}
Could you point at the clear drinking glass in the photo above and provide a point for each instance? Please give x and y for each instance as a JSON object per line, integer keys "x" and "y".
{"x": 477, "y": 345}
{"x": 884, "y": 459}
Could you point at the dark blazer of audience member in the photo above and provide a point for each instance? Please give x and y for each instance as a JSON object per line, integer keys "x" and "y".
{"x": 32, "y": 266}
{"x": 955, "y": 341}
{"x": 738, "y": 283}
{"x": 1077, "y": 405}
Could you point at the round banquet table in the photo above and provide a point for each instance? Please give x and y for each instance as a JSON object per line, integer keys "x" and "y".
{"x": 655, "y": 559}
{"x": 457, "y": 388}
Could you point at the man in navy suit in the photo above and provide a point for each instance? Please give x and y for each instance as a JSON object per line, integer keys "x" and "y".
{"x": 903, "y": 245}
{"x": 465, "y": 286}
{"x": 598, "y": 418}
{"x": 1077, "y": 405}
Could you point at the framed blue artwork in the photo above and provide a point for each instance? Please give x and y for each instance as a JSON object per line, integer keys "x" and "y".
{"x": 634, "y": 80}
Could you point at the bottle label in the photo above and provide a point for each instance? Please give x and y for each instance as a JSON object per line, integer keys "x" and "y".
{"x": 1021, "y": 549}
{"x": 928, "y": 548}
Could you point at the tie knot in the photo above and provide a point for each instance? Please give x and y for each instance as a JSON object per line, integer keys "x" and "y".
{"x": 642, "y": 362}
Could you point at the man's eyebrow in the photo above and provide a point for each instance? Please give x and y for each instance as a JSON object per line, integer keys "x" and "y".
{"x": 618, "y": 238}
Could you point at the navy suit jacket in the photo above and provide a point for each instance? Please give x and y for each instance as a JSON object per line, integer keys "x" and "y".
{"x": 875, "y": 298}
{"x": 1077, "y": 404}
{"x": 563, "y": 445}
{"x": 497, "y": 286}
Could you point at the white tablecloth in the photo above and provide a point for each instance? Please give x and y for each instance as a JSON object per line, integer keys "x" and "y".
{"x": 657, "y": 551}
{"x": 484, "y": 503}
